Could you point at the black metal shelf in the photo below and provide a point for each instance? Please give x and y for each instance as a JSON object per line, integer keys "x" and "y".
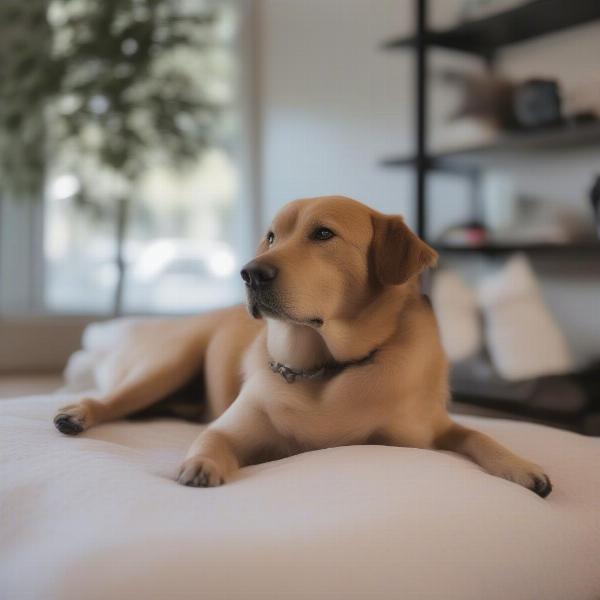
{"x": 566, "y": 135}
{"x": 484, "y": 37}
{"x": 576, "y": 248}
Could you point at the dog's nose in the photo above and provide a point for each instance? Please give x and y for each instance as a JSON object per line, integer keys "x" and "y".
{"x": 257, "y": 274}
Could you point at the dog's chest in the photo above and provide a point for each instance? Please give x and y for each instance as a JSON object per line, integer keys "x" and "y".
{"x": 312, "y": 415}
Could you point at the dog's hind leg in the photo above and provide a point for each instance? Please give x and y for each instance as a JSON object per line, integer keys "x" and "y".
{"x": 494, "y": 458}
{"x": 156, "y": 359}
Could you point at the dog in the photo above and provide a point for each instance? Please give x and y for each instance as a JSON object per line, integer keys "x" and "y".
{"x": 339, "y": 348}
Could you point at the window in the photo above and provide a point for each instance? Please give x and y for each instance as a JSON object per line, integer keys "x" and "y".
{"x": 180, "y": 250}
{"x": 169, "y": 240}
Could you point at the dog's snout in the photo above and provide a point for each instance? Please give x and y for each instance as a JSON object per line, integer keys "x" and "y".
{"x": 256, "y": 274}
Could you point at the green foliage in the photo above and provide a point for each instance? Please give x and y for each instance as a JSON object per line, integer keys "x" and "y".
{"x": 26, "y": 77}
{"x": 102, "y": 85}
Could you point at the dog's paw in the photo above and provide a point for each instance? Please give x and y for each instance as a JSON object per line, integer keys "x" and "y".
{"x": 542, "y": 485}
{"x": 72, "y": 419}
{"x": 200, "y": 472}
{"x": 532, "y": 477}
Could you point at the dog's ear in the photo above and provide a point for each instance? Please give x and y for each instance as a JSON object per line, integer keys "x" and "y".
{"x": 397, "y": 254}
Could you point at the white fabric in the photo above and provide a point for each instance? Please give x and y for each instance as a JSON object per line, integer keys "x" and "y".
{"x": 99, "y": 516}
{"x": 90, "y": 367}
{"x": 455, "y": 306}
{"x": 523, "y": 338}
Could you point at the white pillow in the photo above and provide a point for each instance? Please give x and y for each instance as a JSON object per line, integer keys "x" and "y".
{"x": 523, "y": 338}
{"x": 455, "y": 306}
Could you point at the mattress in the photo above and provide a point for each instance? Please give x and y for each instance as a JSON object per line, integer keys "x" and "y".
{"x": 100, "y": 516}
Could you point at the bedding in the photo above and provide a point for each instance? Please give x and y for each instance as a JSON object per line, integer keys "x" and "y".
{"x": 100, "y": 516}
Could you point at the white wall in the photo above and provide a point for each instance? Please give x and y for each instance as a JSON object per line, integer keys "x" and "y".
{"x": 332, "y": 104}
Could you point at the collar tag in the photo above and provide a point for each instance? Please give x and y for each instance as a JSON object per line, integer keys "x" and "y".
{"x": 290, "y": 375}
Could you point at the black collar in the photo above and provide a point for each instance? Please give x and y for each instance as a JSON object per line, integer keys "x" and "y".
{"x": 328, "y": 369}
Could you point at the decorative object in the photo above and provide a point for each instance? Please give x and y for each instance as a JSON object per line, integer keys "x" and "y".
{"x": 506, "y": 104}
{"x": 484, "y": 96}
{"x": 455, "y": 306}
{"x": 472, "y": 234}
{"x": 537, "y": 103}
{"x": 537, "y": 221}
{"x": 522, "y": 337}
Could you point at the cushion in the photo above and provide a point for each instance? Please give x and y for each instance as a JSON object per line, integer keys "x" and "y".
{"x": 522, "y": 336}
{"x": 100, "y": 516}
{"x": 457, "y": 312}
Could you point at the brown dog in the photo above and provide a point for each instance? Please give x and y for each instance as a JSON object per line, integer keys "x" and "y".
{"x": 347, "y": 352}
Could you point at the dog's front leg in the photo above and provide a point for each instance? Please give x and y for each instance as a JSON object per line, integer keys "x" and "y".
{"x": 494, "y": 458}
{"x": 227, "y": 444}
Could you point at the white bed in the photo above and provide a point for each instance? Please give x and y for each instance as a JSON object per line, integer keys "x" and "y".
{"x": 99, "y": 516}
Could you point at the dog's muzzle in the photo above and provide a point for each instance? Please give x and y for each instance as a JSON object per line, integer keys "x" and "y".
{"x": 258, "y": 275}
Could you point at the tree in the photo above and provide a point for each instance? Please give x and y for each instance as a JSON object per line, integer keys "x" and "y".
{"x": 104, "y": 87}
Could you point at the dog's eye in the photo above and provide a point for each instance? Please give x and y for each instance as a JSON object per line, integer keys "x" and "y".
{"x": 270, "y": 237}
{"x": 321, "y": 234}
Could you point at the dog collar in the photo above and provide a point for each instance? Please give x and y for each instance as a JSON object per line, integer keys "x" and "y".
{"x": 327, "y": 370}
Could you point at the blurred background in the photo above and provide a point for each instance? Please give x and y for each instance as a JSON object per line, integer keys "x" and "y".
{"x": 145, "y": 145}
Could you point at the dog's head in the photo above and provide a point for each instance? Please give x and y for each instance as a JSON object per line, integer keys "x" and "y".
{"x": 325, "y": 258}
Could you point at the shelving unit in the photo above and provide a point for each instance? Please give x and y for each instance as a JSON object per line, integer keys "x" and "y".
{"x": 560, "y": 137}
{"x": 484, "y": 38}
{"x": 578, "y": 249}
